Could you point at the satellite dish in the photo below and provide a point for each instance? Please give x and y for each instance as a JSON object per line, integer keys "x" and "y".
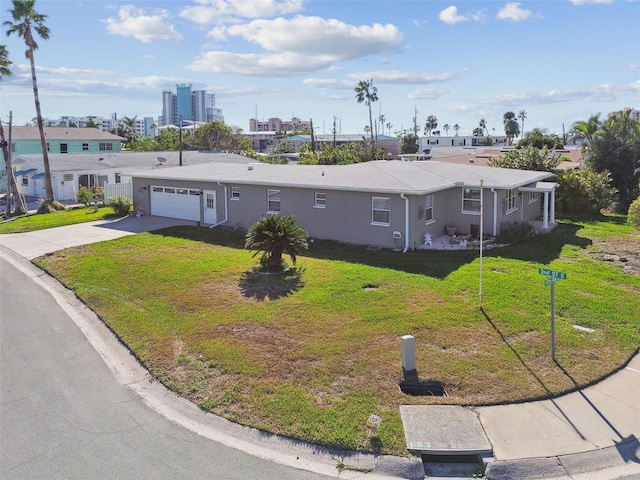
{"x": 162, "y": 159}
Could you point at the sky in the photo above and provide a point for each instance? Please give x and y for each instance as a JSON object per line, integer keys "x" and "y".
{"x": 462, "y": 61}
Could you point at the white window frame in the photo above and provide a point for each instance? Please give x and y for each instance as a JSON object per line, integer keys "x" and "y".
{"x": 428, "y": 210}
{"x": 68, "y": 177}
{"x": 319, "y": 200}
{"x": 274, "y": 202}
{"x": 377, "y": 209}
{"x": 468, "y": 201}
{"x": 235, "y": 193}
{"x": 117, "y": 176}
{"x": 511, "y": 201}
{"x": 532, "y": 196}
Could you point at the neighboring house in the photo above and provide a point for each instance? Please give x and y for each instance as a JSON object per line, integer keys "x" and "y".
{"x": 26, "y": 140}
{"x": 69, "y": 172}
{"x": 390, "y": 145}
{"x": 387, "y": 204}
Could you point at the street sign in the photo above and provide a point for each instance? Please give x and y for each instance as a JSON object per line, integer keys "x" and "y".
{"x": 549, "y": 281}
{"x": 552, "y": 274}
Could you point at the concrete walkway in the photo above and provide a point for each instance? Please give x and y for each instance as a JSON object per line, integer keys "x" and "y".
{"x": 591, "y": 434}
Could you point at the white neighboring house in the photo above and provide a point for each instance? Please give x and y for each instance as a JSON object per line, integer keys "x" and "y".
{"x": 71, "y": 171}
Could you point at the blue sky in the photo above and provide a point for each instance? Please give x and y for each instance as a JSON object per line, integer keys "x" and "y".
{"x": 559, "y": 60}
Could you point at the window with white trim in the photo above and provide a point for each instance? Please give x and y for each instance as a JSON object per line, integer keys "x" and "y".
{"x": 511, "y": 201}
{"x": 235, "y": 193}
{"x": 85, "y": 147}
{"x": 320, "y": 200}
{"x": 428, "y": 209}
{"x": 273, "y": 200}
{"x": 470, "y": 200}
{"x": 380, "y": 210}
{"x": 68, "y": 177}
{"x": 533, "y": 197}
{"x": 118, "y": 177}
{"x": 104, "y": 146}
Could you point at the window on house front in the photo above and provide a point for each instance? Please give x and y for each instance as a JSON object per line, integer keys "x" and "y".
{"x": 64, "y": 148}
{"x": 235, "y": 193}
{"x": 48, "y": 147}
{"x": 320, "y": 200}
{"x": 471, "y": 200}
{"x": 273, "y": 200}
{"x": 117, "y": 177}
{"x": 380, "y": 210}
{"x": 13, "y": 147}
{"x": 428, "y": 209}
{"x": 25, "y": 181}
{"x": 104, "y": 146}
{"x": 68, "y": 177}
{"x": 511, "y": 201}
{"x": 533, "y": 197}
{"x": 85, "y": 147}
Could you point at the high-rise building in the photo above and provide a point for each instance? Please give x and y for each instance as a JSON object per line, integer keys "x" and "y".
{"x": 190, "y": 105}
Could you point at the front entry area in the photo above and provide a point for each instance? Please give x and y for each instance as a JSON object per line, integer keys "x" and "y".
{"x": 175, "y": 202}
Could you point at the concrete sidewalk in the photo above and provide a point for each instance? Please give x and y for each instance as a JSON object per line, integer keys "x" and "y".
{"x": 591, "y": 434}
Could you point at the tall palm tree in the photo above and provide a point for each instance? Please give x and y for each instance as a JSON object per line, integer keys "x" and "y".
{"x": 483, "y": 125}
{"x": 586, "y": 131}
{"x": 12, "y": 188}
{"x": 456, "y": 128}
{"x": 382, "y": 119}
{"x": 274, "y": 235}
{"x": 367, "y": 93}
{"x": 511, "y": 126}
{"x": 430, "y": 125}
{"x": 522, "y": 115}
{"x": 446, "y": 128}
{"x": 25, "y": 21}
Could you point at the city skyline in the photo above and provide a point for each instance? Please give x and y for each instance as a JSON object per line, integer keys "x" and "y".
{"x": 560, "y": 61}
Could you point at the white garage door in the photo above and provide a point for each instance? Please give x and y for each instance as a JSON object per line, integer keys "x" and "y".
{"x": 174, "y": 202}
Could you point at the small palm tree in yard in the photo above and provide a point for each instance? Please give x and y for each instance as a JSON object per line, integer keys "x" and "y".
{"x": 274, "y": 235}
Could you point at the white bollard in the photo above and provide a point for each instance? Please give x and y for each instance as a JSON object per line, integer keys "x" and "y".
{"x": 408, "y": 344}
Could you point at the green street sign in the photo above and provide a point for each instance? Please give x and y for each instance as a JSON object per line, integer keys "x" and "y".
{"x": 552, "y": 274}
{"x": 550, "y": 281}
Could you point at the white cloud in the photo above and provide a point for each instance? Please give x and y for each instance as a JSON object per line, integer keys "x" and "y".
{"x": 426, "y": 94}
{"x": 318, "y": 36}
{"x": 329, "y": 83}
{"x": 231, "y": 11}
{"x": 403, "y": 78}
{"x": 450, "y": 16}
{"x": 594, "y": 2}
{"x": 512, "y": 11}
{"x": 135, "y": 23}
{"x": 260, "y": 65}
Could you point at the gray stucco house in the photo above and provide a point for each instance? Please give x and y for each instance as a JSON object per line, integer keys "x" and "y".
{"x": 388, "y": 204}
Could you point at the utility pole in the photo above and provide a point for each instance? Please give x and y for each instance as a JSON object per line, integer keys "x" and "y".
{"x": 180, "y": 138}
{"x": 415, "y": 121}
{"x": 334, "y": 131}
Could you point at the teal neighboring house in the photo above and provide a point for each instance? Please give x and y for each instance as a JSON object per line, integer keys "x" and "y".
{"x": 26, "y": 140}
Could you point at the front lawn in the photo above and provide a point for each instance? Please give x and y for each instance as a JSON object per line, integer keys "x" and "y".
{"x": 312, "y": 353}
{"x": 33, "y": 222}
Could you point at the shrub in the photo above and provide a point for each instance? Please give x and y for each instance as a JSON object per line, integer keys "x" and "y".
{"x": 87, "y": 196}
{"x": 634, "y": 214}
{"x": 513, "y": 232}
{"x": 121, "y": 205}
{"x": 584, "y": 191}
{"x": 50, "y": 206}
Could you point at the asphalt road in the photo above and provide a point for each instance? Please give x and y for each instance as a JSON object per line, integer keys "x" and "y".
{"x": 63, "y": 414}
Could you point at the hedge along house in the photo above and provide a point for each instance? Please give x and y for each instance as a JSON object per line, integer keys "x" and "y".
{"x": 71, "y": 171}
{"x": 386, "y": 204}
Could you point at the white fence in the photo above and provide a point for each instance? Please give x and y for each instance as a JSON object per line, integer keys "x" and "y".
{"x": 117, "y": 190}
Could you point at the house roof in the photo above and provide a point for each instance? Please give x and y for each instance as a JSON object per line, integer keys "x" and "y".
{"x": 62, "y": 133}
{"x": 124, "y": 161}
{"x": 414, "y": 178}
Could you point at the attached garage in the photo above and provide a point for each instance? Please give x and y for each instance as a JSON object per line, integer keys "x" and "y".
{"x": 175, "y": 202}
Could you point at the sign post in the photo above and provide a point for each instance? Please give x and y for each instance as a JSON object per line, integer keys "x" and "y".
{"x": 553, "y": 278}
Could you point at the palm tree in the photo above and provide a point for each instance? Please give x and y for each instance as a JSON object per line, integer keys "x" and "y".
{"x": 382, "y": 119}
{"x": 483, "y": 126}
{"x": 522, "y": 115}
{"x": 586, "y": 131}
{"x": 456, "y": 128}
{"x": 274, "y": 235}
{"x": 367, "y": 93}
{"x": 12, "y": 188}
{"x": 446, "y": 128}
{"x": 511, "y": 127}
{"x": 130, "y": 127}
{"x": 26, "y": 19}
{"x": 432, "y": 122}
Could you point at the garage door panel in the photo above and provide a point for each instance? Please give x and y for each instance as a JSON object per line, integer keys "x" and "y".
{"x": 175, "y": 202}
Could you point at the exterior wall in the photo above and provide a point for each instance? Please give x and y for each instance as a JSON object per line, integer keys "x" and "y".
{"x": 347, "y": 216}
{"x": 27, "y": 147}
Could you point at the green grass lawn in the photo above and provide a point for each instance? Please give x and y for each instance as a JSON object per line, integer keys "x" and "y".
{"x": 33, "y": 222}
{"x": 313, "y": 352}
